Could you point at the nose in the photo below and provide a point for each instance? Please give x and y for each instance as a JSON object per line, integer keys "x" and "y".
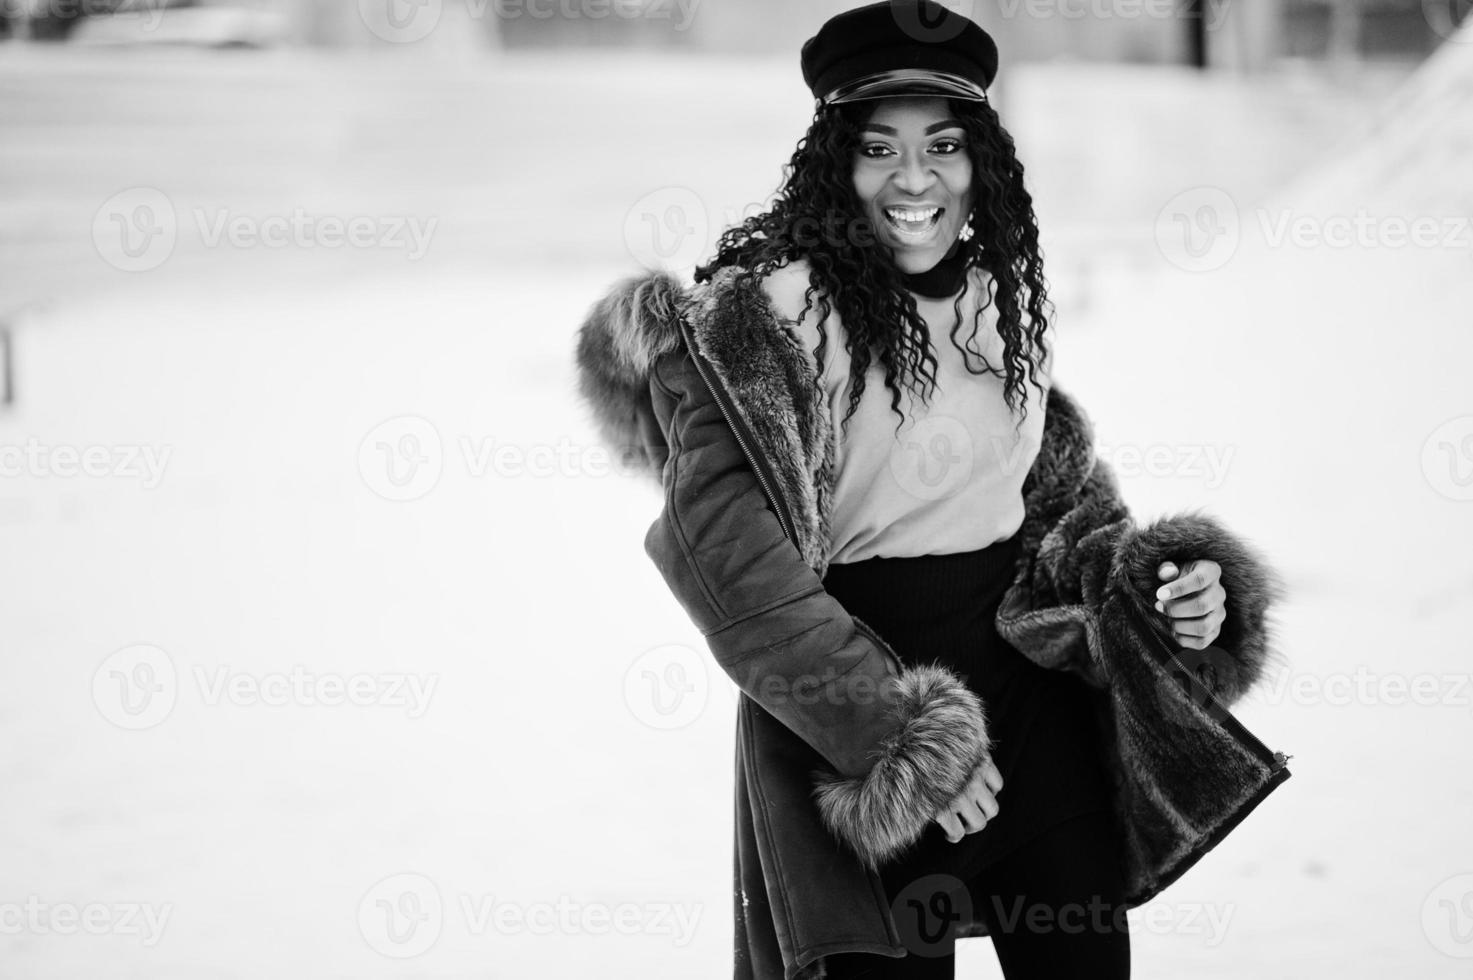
{"x": 913, "y": 175}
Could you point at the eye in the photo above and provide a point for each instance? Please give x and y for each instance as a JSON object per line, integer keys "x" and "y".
{"x": 880, "y": 147}
{"x": 948, "y": 146}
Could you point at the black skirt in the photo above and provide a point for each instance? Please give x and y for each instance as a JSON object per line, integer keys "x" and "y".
{"x": 1047, "y": 744}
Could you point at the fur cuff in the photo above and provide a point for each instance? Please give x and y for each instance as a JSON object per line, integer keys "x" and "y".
{"x": 1237, "y": 659}
{"x": 921, "y": 766}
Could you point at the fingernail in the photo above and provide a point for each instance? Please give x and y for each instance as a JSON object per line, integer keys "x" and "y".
{"x": 1164, "y": 592}
{"x": 1160, "y": 607}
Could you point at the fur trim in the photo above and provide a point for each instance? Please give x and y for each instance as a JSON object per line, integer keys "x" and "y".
{"x": 620, "y": 339}
{"x": 1050, "y": 611}
{"x": 776, "y": 389}
{"x": 1065, "y": 464}
{"x": 1238, "y": 658}
{"x": 921, "y": 766}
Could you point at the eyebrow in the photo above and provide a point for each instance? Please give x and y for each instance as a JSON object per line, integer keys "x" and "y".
{"x": 933, "y": 128}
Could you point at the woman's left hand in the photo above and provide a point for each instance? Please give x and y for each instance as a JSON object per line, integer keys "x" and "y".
{"x": 1194, "y": 600}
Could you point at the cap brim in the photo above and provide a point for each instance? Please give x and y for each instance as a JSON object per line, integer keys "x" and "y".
{"x": 908, "y": 81}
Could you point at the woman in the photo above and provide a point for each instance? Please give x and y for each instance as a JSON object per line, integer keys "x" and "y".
{"x": 967, "y": 710}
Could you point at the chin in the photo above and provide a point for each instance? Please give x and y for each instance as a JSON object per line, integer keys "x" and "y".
{"x": 915, "y": 261}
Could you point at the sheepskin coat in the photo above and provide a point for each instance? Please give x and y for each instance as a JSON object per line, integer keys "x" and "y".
{"x": 843, "y": 754}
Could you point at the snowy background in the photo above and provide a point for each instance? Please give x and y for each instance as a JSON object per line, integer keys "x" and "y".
{"x": 367, "y": 675}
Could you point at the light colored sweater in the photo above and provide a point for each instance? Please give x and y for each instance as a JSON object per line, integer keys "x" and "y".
{"x": 950, "y": 479}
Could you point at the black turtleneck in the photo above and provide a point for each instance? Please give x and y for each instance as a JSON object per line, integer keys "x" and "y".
{"x": 944, "y": 279}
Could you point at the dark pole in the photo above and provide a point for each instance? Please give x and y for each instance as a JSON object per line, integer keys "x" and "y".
{"x": 7, "y": 376}
{"x": 1196, "y": 33}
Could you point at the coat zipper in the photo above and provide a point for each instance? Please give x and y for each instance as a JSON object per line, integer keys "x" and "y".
{"x": 1275, "y": 760}
{"x": 758, "y": 463}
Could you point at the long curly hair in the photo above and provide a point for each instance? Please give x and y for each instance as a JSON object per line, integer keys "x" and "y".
{"x": 865, "y": 286}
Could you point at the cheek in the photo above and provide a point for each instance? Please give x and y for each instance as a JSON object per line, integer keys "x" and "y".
{"x": 959, "y": 182}
{"x": 866, "y": 185}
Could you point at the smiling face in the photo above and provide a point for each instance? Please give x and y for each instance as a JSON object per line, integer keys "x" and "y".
{"x": 913, "y": 175}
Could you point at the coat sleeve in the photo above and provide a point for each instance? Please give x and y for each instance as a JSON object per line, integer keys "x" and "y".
{"x": 901, "y": 743}
{"x": 1239, "y": 657}
{"x": 1086, "y": 590}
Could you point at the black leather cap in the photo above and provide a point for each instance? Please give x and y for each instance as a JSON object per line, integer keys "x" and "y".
{"x": 899, "y": 47}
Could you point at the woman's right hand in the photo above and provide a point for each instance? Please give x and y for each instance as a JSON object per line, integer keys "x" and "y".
{"x": 974, "y": 805}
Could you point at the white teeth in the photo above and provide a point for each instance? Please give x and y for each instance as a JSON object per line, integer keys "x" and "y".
{"x": 901, "y": 214}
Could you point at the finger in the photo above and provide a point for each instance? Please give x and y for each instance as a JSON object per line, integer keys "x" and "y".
{"x": 991, "y": 776}
{"x": 971, "y": 816}
{"x": 987, "y": 803}
{"x": 1203, "y": 603}
{"x": 1195, "y": 626}
{"x": 1191, "y": 580}
{"x": 1193, "y": 642}
{"x": 951, "y": 825}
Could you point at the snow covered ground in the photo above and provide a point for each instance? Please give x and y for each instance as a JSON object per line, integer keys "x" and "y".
{"x": 347, "y": 661}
